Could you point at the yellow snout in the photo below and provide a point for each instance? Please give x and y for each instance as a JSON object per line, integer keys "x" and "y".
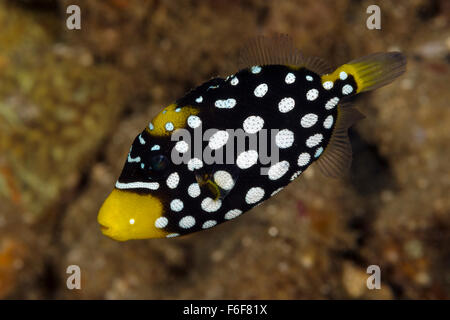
{"x": 127, "y": 215}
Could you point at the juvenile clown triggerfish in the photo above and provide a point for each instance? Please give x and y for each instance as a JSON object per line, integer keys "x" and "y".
{"x": 299, "y": 102}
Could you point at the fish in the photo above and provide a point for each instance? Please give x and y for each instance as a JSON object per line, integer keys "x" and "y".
{"x": 186, "y": 172}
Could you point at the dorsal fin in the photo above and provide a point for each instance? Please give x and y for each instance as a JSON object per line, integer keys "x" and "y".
{"x": 317, "y": 65}
{"x": 337, "y": 158}
{"x": 278, "y": 49}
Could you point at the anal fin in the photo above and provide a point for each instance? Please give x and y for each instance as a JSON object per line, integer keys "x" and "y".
{"x": 336, "y": 160}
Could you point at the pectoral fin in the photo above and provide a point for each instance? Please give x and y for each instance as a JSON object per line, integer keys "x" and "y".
{"x": 217, "y": 181}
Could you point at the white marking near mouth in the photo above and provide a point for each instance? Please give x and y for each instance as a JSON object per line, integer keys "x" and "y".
{"x": 137, "y": 185}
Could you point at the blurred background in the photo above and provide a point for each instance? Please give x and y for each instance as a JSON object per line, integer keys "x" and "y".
{"x": 72, "y": 101}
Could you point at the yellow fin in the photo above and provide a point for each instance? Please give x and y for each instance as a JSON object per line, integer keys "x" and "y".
{"x": 337, "y": 158}
{"x": 372, "y": 71}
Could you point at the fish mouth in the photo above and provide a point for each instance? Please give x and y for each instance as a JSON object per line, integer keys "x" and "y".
{"x": 121, "y": 207}
{"x": 103, "y": 228}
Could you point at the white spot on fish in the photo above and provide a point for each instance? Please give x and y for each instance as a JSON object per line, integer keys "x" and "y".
{"x": 286, "y": 105}
{"x": 169, "y": 126}
{"x": 187, "y": 222}
{"x": 261, "y": 90}
{"x": 172, "y": 235}
{"x": 161, "y": 222}
{"x": 332, "y": 103}
{"x": 233, "y": 214}
{"x": 218, "y": 139}
{"x": 256, "y": 69}
{"x": 247, "y": 159}
{"x": 172, "y": 180}
{"x": 295, "y": 175}
{"x": 194, "y": 122}
{"x": 314, "y": 140}
{"x": 278, "y": 170}
{"x": 312, "y": 94}
{"x": 318, "y": 152}
{"x": 253, "y": 124}
{"x": 194, "y": 164}
{"x": 328, "y": 85}
{"x": 181, "y": 146}
{"x": 212, "y": 87}
{"x": 328, "y": 122}
{"x": 303, "y": 159}
{"x": 130, "y": 159}
{"x": 276, "y": 191}
{"x": 254, "y": 195}
{"x": 284, "y": 139}
{"x": 308, "y": 120}
{"x": 211, "y": 205}
{"x": 209, "y": 224}
{"x": 194, "y": 190}
{"x": 290, "y": 78}
{"x": 225, "y": 104}
{"x": 224, "y": 180}
{"x": 176, "y": 205}
{"x": 347, "y": 89}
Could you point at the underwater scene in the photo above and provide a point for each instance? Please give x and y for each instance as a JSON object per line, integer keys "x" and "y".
{"x": 225, "y": 149}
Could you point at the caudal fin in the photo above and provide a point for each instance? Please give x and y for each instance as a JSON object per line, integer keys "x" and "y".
{"x": 372, "y": 71}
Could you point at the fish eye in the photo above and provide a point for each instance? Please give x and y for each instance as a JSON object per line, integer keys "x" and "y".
{"x": 159, "y": 162}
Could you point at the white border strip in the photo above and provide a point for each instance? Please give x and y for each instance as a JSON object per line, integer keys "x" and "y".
{"x": 137, "y": 185}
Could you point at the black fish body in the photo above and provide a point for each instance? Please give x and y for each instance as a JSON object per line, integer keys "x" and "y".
{"x": 293, "y": 107}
